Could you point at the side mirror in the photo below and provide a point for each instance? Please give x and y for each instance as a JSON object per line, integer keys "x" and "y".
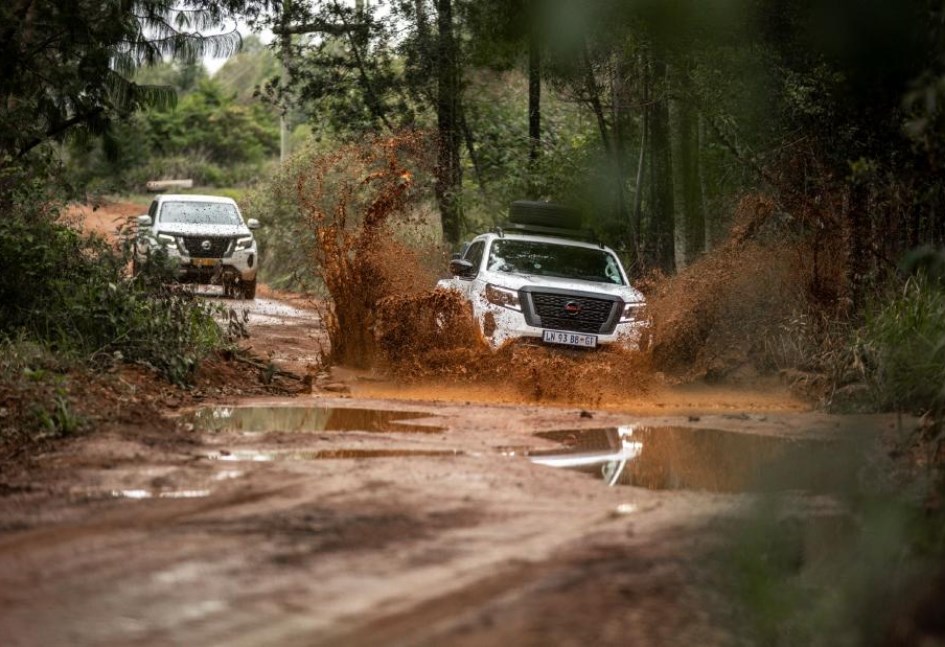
{"x": 252, "y": 223}
{"x": 460, "y": 267}
{"x": 144, "y": 221}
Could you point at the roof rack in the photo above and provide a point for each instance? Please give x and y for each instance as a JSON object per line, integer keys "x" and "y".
{"x": 541, "y": 230}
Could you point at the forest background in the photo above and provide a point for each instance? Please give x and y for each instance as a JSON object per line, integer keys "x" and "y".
{"x": 771, "y": 171}
{"x": 706, "y": 144}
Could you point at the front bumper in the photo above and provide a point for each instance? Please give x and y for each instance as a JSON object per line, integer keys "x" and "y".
{"x": 499, "y": 325}
{"x": 242, "y": 265}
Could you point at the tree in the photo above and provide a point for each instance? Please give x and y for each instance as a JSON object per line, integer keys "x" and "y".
{"x": 660, "y": 245}
{"x": 687, "y": 177}
{"x": 66, "y": 66}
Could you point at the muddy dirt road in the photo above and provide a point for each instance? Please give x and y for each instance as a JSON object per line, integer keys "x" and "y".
{"x": 428, "y": 515}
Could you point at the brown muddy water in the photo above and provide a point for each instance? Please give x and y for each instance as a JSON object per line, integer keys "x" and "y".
{"x": 265, "y": 419}
{"x": 261, "y": 456}
{"x": 683, "y": 458}
{"x": 656, "y": 458}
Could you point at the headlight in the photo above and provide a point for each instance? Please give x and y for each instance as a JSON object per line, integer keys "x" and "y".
{"x": 632, "y": 312}
{"x": 166, "y": 240}
{"x": 244, "y": 243}
{"x": 502, "y": 297}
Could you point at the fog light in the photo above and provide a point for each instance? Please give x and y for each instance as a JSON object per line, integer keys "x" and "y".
{"x": 249, "y": 260}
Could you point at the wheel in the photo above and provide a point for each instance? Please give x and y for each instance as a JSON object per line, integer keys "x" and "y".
{"x": 544, "y": 214}
{"x": 249, "y": 289}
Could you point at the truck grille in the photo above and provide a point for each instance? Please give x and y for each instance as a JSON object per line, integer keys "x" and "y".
{"x": 219, "y": 247}
{"x": 587, "y": 314}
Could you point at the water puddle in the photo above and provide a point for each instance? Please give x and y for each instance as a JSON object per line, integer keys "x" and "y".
{"x": 148, "y": 494}
{"x": 681, "y": 458}
{"x": 267, "y": 419}
{"x": 263, "y": 456}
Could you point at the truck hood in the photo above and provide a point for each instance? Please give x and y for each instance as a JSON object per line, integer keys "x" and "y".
{"x": 517, "y": 281}
{"x": 187, "y": 229}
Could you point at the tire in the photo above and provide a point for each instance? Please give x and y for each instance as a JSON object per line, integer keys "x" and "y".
{"x": 249, "y": 289}
{"x": 544, "y": 214}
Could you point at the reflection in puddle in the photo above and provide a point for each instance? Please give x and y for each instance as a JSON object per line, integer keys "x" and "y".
{"x": 305, "y": 419}
{"x": 673, "y": 458}
{"x": 147, "y": 494}
{"x": 244, "y": 455}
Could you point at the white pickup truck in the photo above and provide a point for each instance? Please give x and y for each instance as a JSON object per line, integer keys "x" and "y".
{"x": 205, "y": 237}
{"x": 528, "y": 280}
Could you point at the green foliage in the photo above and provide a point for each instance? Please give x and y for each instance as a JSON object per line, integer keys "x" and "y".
{"x": 827, "y": 580}
{"x": 285, "y": 243}
{"x": 210, "y": 123}
{"x": 69, "y": 293}
{"x": 565, "y": 171}
{"x": 903, "y": 343}
{"x": 66, "y": 66}
{"x": 208, "y": 137}
{"x": 243, "y": 74}
{"x": 350, "y": 81}
{"x": 34, "y": 395}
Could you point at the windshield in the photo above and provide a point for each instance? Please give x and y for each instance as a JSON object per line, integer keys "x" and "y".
{"x": 549, "y": 259}
{"x": 200, "y": 213}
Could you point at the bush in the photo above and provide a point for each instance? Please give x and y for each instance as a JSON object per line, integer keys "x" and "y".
{"x": 69, "y": 292}
{"x": 34, "y": 396}
{"x": 903, "y": 346}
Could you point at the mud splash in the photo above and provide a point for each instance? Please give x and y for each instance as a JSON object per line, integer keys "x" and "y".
{"x": 675, "y": 458}
{"x": 756, "y": 300}
{"x": 433, "y": 336}
{"x": 715, "y": 317}
{"x": 354, "y": 200}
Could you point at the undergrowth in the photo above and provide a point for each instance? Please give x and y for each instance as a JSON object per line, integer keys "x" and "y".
{"x": 71, "y": 311}
{"x": 868, "y": 570}
{"x": 903, "y": 343}
{"x": 35, "y": 403}
{"x": 70, "y": 292}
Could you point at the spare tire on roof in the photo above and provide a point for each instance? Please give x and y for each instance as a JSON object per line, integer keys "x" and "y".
{"x": 544, "y": 214}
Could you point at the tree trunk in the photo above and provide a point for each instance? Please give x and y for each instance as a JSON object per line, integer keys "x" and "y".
{"x": 608, "y": 137}
{"x": 593, "y": 97}
{"x": 470, "y": 142}
{"x": 661, "y": 231}
{"x": 449, "y": 135}
{"x": 687, "y": 183}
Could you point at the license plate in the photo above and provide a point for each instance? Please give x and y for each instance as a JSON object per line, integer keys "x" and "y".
{"x": 569, "y": 338}
{"x": 204, "y": 262}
